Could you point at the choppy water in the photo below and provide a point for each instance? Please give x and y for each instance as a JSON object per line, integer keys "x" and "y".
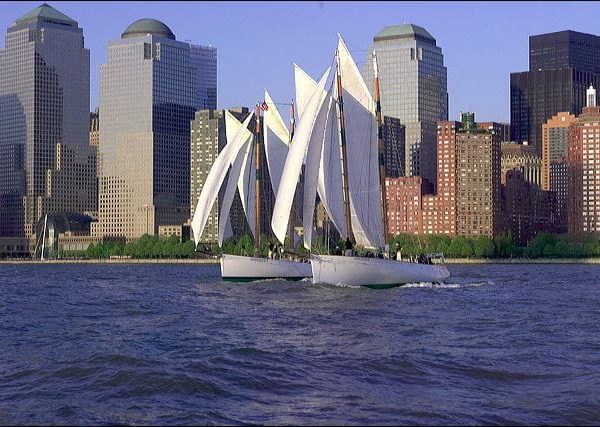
{"x": 172, "y": 344}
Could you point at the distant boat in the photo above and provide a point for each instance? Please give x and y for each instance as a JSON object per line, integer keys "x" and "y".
{"x": 43, "y": 241}
{"x": 241, "y": 157}
{"x": 338, "y": 135}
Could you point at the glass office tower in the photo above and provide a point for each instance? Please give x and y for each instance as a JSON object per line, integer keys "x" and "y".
{"x": 150, "y": 88}
{"x": 562, "y": 66}
{"x": 44, "y": 101}
{"x": 413, "y": 81}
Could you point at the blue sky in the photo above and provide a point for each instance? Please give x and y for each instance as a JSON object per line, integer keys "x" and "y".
{"x": 257, "y": 42}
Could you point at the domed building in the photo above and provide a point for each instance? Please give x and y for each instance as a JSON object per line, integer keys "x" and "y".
{"x": 146, "y": 27}
{"x": 150, "y": 88}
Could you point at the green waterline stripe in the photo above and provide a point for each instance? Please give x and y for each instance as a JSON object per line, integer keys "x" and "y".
{"x": 255, "y": 279}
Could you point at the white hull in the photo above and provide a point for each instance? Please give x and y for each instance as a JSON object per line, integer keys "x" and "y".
{"x": 246, "y": 269}
{"x": 373, "y": 272}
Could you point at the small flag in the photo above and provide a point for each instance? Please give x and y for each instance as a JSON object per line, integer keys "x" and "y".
{"x": 264, "y": 106}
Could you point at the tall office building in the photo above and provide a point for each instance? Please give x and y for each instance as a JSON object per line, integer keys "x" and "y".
{"x": 584, "y": 170}
{"x": 44, "y": 101}
{"x": 561, "y": 66}
{"x": 150, "y": 87}
{"x": 205, "y": 60}
{"x": 413, "y": 83}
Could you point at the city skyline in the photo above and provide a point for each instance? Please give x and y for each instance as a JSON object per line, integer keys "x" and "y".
{"x": 482, "y": 42}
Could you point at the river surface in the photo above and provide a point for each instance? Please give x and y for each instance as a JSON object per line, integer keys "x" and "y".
{"x": 173, "y": 344}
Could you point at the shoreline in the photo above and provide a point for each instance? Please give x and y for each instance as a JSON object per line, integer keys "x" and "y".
{"x": 595, "y": 260}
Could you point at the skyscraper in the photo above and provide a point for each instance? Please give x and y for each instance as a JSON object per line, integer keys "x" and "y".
{"x": 44, "y": 101}
{"x": 561, "y": 66}
{"x": 413, "y": 82}
{"x": 150, "y": 88}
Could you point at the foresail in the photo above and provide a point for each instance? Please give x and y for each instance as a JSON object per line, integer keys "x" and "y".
{"x": 232, "y": 185}
{"x": 276, "y": 141}
{"x": 218, "y": 171}
{"x": 311, "y": 170}
{"x": 330, "y": 171}
{"x": 363, "y": 163}
{"x": 246, "y": 185}
{"x": 294, "y": 160}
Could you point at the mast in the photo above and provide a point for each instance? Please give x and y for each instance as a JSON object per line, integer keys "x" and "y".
{"x": 44, "y": 236}
{"x": 257, "y": 182}
{"x": 384, "y": 209}
{"x": 292, "y": 214}
{"x": 343, "y": 149}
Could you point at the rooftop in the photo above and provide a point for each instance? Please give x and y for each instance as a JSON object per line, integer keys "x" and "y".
{"x": 146, "y": 26}
{"x": 404, "y": 31}
{"x": 46, "y": 13}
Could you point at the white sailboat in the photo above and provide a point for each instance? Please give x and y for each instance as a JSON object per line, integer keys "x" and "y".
{"x": 341, "y": 128}
{"x": 242, "y": 159}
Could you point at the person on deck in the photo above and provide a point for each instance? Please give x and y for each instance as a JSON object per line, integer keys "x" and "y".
{"x": 348, "y": 247}
{"x": 271, "y": 247}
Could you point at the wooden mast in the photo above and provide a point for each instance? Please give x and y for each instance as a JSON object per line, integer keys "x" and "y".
{"x": 384, "y": 208}
{"x": 292, "y": 219}
{"x": 343, "y": 150}
{"x": 257, "y": 182}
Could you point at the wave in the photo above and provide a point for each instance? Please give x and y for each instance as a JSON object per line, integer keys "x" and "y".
{"x": 447, "y": 285}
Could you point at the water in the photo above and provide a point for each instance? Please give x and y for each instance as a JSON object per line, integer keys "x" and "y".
{"x": 172, "y": 344}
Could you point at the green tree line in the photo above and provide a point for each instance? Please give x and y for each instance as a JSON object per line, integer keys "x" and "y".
{"x": 502, "y": 246}
{"x": 543, "y": 245}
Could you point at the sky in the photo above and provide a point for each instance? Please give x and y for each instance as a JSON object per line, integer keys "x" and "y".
{"x": 258, "y": 42}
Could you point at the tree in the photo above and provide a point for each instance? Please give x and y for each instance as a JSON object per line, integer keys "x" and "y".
{"x": 483, "y": 247}
{"x": 460, "y": 247}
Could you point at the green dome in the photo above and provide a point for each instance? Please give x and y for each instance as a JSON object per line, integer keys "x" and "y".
{"x": 143, "y": 27}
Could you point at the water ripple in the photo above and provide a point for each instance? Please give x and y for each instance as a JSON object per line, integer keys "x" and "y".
{"x": 173, "y": 344}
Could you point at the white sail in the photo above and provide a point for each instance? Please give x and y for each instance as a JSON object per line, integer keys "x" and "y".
{"x": 294, "y": 160}
{"x": 311, "y": 170}
{"x": 329, "y": 172}
{"x": 246, "y": 186}
{"x": 362, "y": 151}
{"x": 305, "y": 87}
{"x": 232, "y": 185}
{"x": 217, "y": 173}
{"x": 329, "y": 184}
{"x": 276, "y": 141}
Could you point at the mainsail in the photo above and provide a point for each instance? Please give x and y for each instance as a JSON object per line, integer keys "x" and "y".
{"x": 323, "y": 154}
{"x": 218, "y": 171}
{"x": 294, "y": 160}
{"x": 363, "y": 160}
